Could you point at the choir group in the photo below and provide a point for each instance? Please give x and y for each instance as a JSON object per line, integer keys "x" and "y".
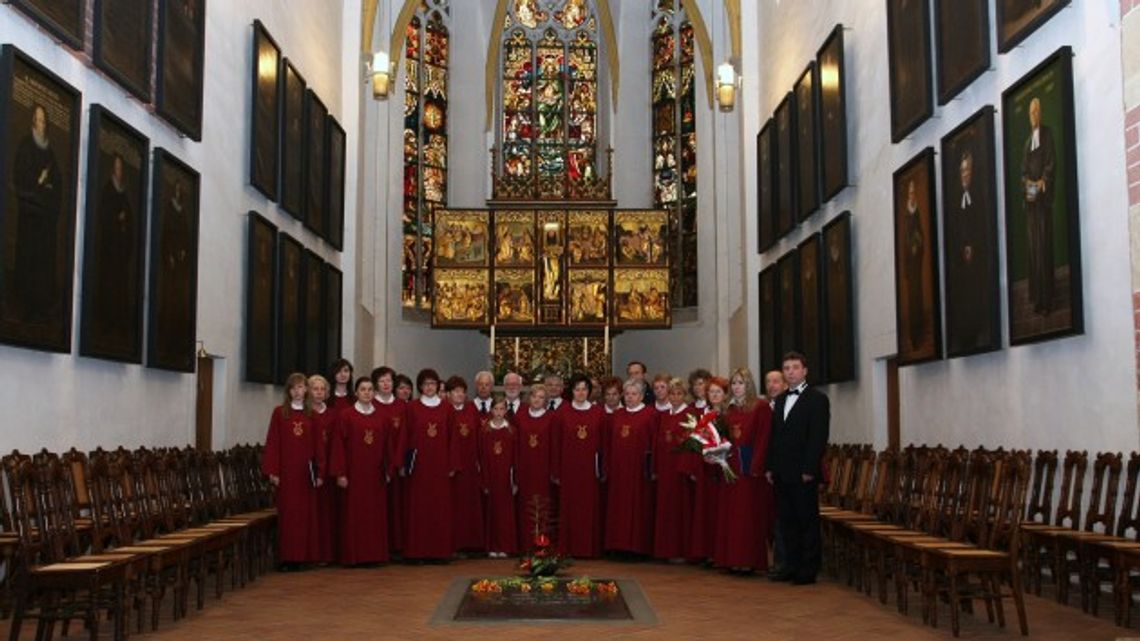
{"x": 365, "y": 471}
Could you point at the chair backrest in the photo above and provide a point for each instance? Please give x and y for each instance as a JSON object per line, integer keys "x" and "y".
{"x": 53, "y": 495}
{"x": 1040, "y": 504}
{"x": 1128, "y": 525}
{"x": 1101, "y": 515}
{"x": 1003, "y": 525}
{"x": 75, "y": 467}
{"x": 1073, "y": 472}
{"x": 110, "y": 511}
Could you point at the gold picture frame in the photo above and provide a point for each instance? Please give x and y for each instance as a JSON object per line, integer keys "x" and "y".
{"x": 462, "y": 238}
{"x": 588, "y": 296}
{"x": 641, "y": 238}
{"x": 514, "y": 244}
{"x": 641, "y": 298}
{"x": 461, "y": 298}
{"x": 588, "y": 239}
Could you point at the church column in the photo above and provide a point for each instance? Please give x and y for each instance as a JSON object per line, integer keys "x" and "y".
{"x": 1130, "y": 52}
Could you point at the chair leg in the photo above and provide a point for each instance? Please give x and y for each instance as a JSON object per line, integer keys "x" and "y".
{"x": 1019, "y": 603}
{"x": 954, "y": 601}
{"x": 19, "y": 602}
{"x": 995, "y": 592}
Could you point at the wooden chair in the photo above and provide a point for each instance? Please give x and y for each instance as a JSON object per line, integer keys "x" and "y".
{"x": 1038, "y": 537}
{"x": 1100, "y": 519}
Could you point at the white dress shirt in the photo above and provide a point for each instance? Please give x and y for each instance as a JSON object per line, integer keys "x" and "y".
{"x": 790, "y": 399}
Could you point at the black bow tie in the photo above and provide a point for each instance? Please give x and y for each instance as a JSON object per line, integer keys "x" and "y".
{"x": 550, "y": 405}
{"x": 794, "y": 392}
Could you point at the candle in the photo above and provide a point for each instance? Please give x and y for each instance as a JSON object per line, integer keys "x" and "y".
{"x": 606, "y": 345}
{"x": 492, "y": 340}
{"x": 585, "y": 352}
{"x": 516, "y": 352}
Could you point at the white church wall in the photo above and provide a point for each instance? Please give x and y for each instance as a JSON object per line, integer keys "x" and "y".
{"x": 63, "y": 400}
{"x": 1068, "y": 393}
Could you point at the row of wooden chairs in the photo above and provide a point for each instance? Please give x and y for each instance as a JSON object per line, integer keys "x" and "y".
{"x": 85, "y": 534}
{"x": 944, "y": 523}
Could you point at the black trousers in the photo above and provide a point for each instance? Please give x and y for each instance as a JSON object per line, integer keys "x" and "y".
{"x": 797, "y": 505}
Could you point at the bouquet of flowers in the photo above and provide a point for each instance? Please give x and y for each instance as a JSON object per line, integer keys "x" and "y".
{"x": 709, "y": 437}
{"x": 542, "y": 561}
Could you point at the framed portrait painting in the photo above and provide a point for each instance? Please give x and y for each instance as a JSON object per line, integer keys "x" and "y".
{"x": 39, "y": 139}
{"x": 265, "y": 111}
{"x": 829, "y": 60}
{"x": 839, "y": 299}
{"x": 461, "y": 298}
{"x": 123, "y": 43}
{"x": 908, "y": 46}
{"x": 312, "y": 340}
{"x": 918, "y": 320}
{"x": 769, "y": 319}
{"x": 1042, "y": 217}
{"x": 290, "y": 313}
{"x": 962, "y": 37}
{"x": 969, "y": 236}
{"x": 114, "y": 240}
{"x": 335, "y": 146}
{"x": 813, "y": 339}
{"x": 181, "y": 64}
{"x": 786, "y": 163}
{"x": 788, "y": 294}
{"x": 291, "y": 160}
{"x": 765, "y": 187}
{"x": 807, "y": 143}
{"x": 173, "y": 310}
{"x": 1016, "y": 19}
{"x": 462, "y": 238}
{"x": 260, "y": 295}
{"x": 63, "y": 19}
{"x": 334, "y": 303}
{"x": 316, "y": 115}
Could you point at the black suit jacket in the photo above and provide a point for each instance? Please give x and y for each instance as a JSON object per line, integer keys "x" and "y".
{"x": 797, "y": 444}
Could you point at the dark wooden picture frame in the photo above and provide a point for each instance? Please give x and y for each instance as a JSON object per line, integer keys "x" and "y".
{"x": 336, "y": 148}
{"x": 813, "y": 337}
{"x": 264, "y": 126}
{"x": 1016, "y": 23}
{"x": 290, "y": 302}
{"x": 769, "y": 319}
{"x": 124, "y": 44}
{"x": 970, "y": 236}
{"x": 291, "y": 181}
{"x": 807, "y": 142}
{"x": 918, "y": 318}
{"x": 37, "y": 202}
{"x": 114, "y": 240}
{"x": 839, "y": 299}
{"x": 912, "y": 96}
{"x": 788, "y": 293}
{"x": 260, "y": 300}
{"x": 830, "y": 63}
{"x": 334, "y": 302}
{"x": 766, "y": 202}
{"x": 962, "y": 39}
{"x": 63, "y": 19}
{"x": 313, "y": 333}
{"x": 1042, "y": 204}
{"x": 180, "y": 68}
{"x": 787, "y": 190}
{"x": 316, "y": 165}
{"x": 172, "y": 311}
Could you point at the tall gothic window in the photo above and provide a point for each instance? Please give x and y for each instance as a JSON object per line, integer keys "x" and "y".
{"x": 426, "y": 54}
{"x": 549, "y": 94}
{"x": 675, "y": 141}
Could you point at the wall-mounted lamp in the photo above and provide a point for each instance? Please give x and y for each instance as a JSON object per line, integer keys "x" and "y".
{"x": 727, "y": 84}
{"x": 381, "y": 75}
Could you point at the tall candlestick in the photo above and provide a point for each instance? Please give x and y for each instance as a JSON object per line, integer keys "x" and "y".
{"x": 606, "y": 346}
{"x": 516, "y": 352}
{"x": 492, "y": 340}
{"x": 585, "y": 352}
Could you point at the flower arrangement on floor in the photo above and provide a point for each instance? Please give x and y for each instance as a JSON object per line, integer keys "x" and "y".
{"x": 541, "y": 559}
{"x": 581, "y": 586}
{"x": 709, "y": 437}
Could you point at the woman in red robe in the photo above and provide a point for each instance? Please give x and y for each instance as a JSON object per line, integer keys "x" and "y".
{"x": 674, "y": 512}
{"x": 293, "y": 461}
{"x": 629, "y": 504}
{"x": 496, "y": 465}
{"x": 341, "y": 395}
{"x": 430, "y": 468}
{"x": 705, "y": 479}
{"x": 361, "y": 466}
{"x": 578, "y": 472}
{"x": 746, "y": 506}
{"x": 466, "y": 485}
{"x": 324, "y": 422}
{"x": 534, "y": 454}
{"x": 393, "y": 412}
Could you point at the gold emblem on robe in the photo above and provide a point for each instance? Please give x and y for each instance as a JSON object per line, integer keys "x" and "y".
{"x": 498, "y": 448}
{"x": 583, "y": 433}
{"x": 432, "y": 431}
{"x": 298, "y": 428}
{"x": 533, "y": 440}
{"x": 369, "y": 437}
{"x": 625, "y": 431}
{"x": 463, "y": 431}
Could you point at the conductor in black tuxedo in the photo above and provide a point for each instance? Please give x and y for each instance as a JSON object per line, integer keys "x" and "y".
{"x": 800, "y": 421}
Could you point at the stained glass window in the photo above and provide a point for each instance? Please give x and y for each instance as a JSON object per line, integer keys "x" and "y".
{"x": 426, "y": 55}
{"x": 674, "y": 125}
{"x": 549, "y": 94}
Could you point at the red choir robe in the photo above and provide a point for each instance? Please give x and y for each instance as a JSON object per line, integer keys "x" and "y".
{"x": 629, "y": 501}
{"x": 578, "y": 468}
{"x": 674, "y": 507}
{"x": 496, "y": 465}
{"x": 706, "y": 480}
{"x": 427, "y": 445}
{"x": 328, "y": 526}
{"x": 292, "y": 445}
{"x": 338, "y": 403}
{"x": 466, "y": 485}
{"x": 746, "y": 506}
{"x": 534, "y": 456}
{"x": 360, "y": 453}
{"x": 395, "y": 415}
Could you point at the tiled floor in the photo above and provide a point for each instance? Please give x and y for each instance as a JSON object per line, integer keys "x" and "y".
{"x": 396, "y": 602}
